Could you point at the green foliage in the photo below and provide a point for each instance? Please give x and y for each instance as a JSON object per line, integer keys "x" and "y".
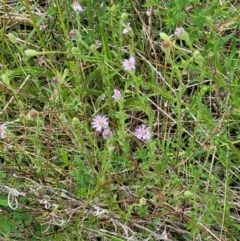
{"x": 59, "y": 68}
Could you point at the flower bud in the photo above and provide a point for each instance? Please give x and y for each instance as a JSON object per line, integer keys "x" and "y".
{"x": 12, "y": 38}
{"x": 33, "y": 114}
{"x": 165, "y": 37}
{"x": 31, "y": 52}
{"x": 73, "y": 33}
{"x": 55, "y": 80}
{"x": 124, "y": 16}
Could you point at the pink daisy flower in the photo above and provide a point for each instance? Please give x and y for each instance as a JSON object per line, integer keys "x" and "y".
{"x": 142, "y": 132}
{"x": 106, "y": 133}
{"x": 179, "y": 31}
{"x": 129, "y": 64}
{"x": 100, "y": 122}
{"x": 3, "y": 129}
{"x": 117, "y": 94}
{"x": 77, "y": 7}
{"x": 127, "y": 28}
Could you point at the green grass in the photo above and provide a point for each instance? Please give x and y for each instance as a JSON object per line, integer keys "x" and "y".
{"x": 61, "y": 180}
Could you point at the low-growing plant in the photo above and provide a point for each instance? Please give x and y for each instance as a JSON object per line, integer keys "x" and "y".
{"x": 119, "y": 120}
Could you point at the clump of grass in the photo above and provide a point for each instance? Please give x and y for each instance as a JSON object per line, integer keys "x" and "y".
{"x": 119, "y": 120}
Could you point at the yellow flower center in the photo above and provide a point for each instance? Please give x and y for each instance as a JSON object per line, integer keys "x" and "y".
{"x": 76, "y": 3}
{"x": 144, "y": 132}
{"x": 100, "y": 122}
{"x": 130, "y": 63}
